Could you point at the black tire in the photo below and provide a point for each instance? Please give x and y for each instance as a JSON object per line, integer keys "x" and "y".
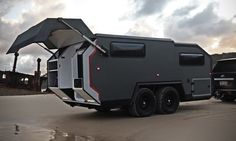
{"x": 227, "y": 98}
{"x": 167, "y": 100}
{"x": 103, "y": 109}
{"x": 143, "y": 103}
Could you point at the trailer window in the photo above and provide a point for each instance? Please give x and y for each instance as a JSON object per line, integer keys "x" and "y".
{"x": 127, "y": 49}
{"x": 191, "y": 59}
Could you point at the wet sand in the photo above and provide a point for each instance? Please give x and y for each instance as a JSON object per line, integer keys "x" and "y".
{"x": 47, "y": 118}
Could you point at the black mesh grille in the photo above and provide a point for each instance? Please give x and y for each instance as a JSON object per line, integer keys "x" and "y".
{"x": 78, "y": 83}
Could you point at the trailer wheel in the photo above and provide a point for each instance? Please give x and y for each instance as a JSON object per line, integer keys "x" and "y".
{"x": 226, "y": 98}
{"x": 167, "y": 100}
{"x": 143, "y": 104}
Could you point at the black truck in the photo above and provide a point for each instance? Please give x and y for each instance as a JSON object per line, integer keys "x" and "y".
{"x": 143, "y": 75}
{"x": 224, "y": 79}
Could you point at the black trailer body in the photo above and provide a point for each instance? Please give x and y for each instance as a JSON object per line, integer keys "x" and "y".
{"x": 224, "y": 79}
{"x": 109, "y": 71}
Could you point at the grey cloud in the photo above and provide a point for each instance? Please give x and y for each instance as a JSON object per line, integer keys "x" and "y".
{"x": 206, "y": 23}
{"x": 47, "y": 10}
{"x": 140, "y": 28}
{"x": 149, "y": 7}
{"x": 203, "y": 27}
{"x": 6, "y": 5}
{"x": 184, "y": 11}
{"x": 7, "y": 31}
{"x": 205, "y": 17}
{"x": 6, "y": 62}
{"x": 221, "y": 27}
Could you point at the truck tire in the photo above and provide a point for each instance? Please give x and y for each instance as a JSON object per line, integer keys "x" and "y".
{"x": 167, "y": 100}
{"x": 227, "y": 98}
{"x": 143, "y": 103}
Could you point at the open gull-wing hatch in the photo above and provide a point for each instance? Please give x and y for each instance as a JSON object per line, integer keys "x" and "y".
{"x": 54, "y": 33}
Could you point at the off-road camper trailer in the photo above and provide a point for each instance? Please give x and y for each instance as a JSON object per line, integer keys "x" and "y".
{"x": 104, "y": 71}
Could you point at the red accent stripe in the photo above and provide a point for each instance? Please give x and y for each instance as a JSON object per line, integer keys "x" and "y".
{"x": 90, "y": 74}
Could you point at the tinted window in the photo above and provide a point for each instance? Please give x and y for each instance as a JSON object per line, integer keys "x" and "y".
{"x": 191, "y": 59}
{"x": 225, "y": 66}
{"x": 127, "y": 49}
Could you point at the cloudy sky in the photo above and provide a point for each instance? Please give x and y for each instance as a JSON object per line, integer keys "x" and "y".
{"x": 210, "y": 23}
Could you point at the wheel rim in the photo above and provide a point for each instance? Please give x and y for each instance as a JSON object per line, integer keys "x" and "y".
{"x": 170, "y": 99}
{"x": 144, "y": 102}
